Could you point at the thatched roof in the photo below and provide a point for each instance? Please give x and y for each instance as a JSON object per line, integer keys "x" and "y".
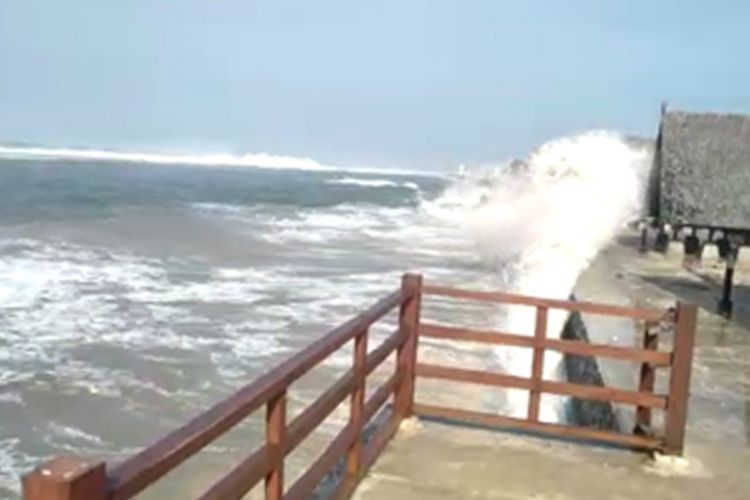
{"x": 702, "y": 170}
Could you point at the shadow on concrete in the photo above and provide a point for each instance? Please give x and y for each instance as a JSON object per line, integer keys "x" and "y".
{"x": 705, "y": 294}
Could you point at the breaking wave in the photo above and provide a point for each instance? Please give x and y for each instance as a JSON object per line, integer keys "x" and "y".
{"x": 539, "y": 224}
{"x": 253, "y": 160}
{"x": 372, "y": 183}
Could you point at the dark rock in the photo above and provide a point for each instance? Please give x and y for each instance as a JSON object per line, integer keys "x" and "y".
{"x": 585, "y": 370}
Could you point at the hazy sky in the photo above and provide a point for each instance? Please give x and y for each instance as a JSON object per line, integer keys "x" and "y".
{"x": 384, "y": 82}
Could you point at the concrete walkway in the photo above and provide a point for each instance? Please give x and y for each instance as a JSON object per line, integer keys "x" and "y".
{"x": 429, "y": 460}
{"x": 436, "y": 461}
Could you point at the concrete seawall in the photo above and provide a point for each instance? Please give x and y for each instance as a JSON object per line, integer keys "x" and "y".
{"x": 585, "y": 370}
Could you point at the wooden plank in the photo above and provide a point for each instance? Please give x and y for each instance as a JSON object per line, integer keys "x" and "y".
{"x": 407, "y": 352}
{"x": 582, "y": 348}
{"x": 679, "y": 378}
{"x": 306, "y": 484}
{"x": 607, "y": 394}
{"x": 345, "y": 489}
{"x": 379, "y": 441}
{"x": 537, "y": 363}
{"x": 568, "y": 305}
{"x": 550, "y": 387}
{"x": 558, "y": 430}
{"x": 307, "y": 421}
{"x": 348, "y": 484}
{"x": 646, "y": 380}
{"x": 357, "y": 406}
{"x": 142, "y": 469}
{"x": 275, "y": 440}
{"x": 379, "y": 354}
{"x": 655, "y": 358}
{"x": 472, "y": 376}
{"x": 465, "y": 334}
{"x": 244, "y": 476}
{"x": 380, "y": 396}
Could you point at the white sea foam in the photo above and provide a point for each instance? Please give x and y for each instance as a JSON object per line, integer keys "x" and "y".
{"x": 73, "y": 433}
{"x": 12, "y": 462}
{"x": 372, "y": 183}
{"x": 331, "y": 225}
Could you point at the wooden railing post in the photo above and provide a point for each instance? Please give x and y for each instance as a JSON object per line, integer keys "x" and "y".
{"x": 275, "y": 436}
{"x": 411, "y": 287}
{"x": 679, "y": 378}
{"x": 647, "y": 380}
{"x": 356, "y": 416}
{"x": 66, "y": 478}
{"x": 537, "y": 365}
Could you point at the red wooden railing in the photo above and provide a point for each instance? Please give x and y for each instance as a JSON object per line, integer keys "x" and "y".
{"x": 674, "y": 404}
{"x": 71, "y": 478}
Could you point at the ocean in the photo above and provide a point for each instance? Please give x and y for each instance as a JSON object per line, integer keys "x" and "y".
{"x": 137, "y": 290}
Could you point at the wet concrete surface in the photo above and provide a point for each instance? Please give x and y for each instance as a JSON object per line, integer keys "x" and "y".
{"x": 436, "y": 460}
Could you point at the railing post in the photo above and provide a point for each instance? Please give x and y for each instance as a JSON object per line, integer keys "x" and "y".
{"x": 537, "y": 366}
{"x": 275, "y": 436}
{"x": 356, "y": 416}
{"x": 647, "y": 381}
{"x": 66, "y": 478}
{"x": 411, "y": 289}
{"x": 679, "y": 378}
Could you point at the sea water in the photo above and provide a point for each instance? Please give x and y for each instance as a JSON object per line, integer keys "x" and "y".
{"x": 136, "y": 289}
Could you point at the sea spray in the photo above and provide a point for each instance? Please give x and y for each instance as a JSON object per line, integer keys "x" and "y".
{"x": 539, "y": 223}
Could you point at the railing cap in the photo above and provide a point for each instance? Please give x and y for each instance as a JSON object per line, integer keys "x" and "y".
{"x": 66, "y": 478}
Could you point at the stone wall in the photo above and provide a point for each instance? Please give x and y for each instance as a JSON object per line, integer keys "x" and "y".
{"x": 585, "y": 370}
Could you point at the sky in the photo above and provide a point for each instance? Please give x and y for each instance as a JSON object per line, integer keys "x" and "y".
{"x": 412, "y": 83}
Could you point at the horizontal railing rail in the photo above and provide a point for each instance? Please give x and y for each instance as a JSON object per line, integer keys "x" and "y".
{"x": 674, "y": 403}
{"x": 349, "y": 452}
{"x": 554, "y": 430}
{"x": 568, "y": 305}
{"x": 655, "y": 358}
{"x": 583, "y": 391}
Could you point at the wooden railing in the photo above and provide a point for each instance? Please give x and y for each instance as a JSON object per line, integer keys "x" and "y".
{"x": 72, "y": 478}
{"x": 674, "y": 403}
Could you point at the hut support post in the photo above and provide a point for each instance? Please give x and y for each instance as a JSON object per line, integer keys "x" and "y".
{"x": 726, "y": 303}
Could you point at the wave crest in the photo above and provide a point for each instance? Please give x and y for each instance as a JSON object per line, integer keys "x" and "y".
{"x": 253, "y": 160}
{"x": 372, "y": 183}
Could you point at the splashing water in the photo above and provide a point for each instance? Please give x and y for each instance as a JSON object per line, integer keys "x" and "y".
{"x": 540, "y": 223}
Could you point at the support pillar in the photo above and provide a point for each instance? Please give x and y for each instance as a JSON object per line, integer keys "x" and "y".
{"x": 693, "y": 249}
{"x": 726, "y": 303}
{"x": 663, "y": 238}
{"x": 643, "y": 226}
